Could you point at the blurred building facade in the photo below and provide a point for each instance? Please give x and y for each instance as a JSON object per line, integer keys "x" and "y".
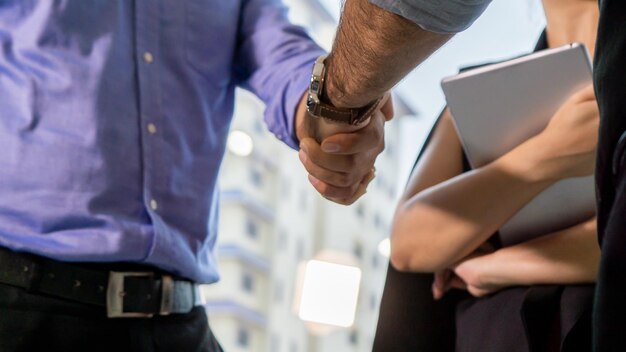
{"x": 271, "y": 219}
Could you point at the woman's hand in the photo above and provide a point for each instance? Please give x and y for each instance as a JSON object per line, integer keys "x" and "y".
{"x": 445, "y": 280}
{"x": 475, "y": 273}
{"x": 469, "y": 274}
{"x": 569, "y": 256}
{"x": 567, "y": 146}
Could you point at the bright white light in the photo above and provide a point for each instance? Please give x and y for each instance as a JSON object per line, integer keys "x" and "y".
{"x": 330, "y": 293}
{"x": 384, "y": 248}
{"x": 240, "y": 143}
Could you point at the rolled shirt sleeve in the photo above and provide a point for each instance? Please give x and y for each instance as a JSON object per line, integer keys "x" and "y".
{"x": 440, "y": 16}
{"x": 274, "y": 60}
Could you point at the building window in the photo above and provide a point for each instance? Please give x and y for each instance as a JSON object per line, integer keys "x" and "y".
{"x": 360, "y": 211}
{"x": 274, "y": 343}
{"x": 285, "y": 187}
{"x": 282, "y": 240}
{"x": 293, "y": 347}
{"x": 252, "y": 228}
{"x": 247, "y": 282}
{"x": 390, "y": 150}
{"x": 303, "y": 200}
{"x": 375, "y": 260}
{"x": 279, "y": 291}
{"x": 354, "y": 337}
{"x": 373, "y": 302}
{"x": 391, "y": 192}
{"x": 378, "y": 222}
{"x": 300, "y": 250}
{"x": 258, "y": 126}
{"x": 243, "y": 337}
{"x": 357, "y": 250}
{"x": 380, "y": 182}
{"x": 256, "y": 177}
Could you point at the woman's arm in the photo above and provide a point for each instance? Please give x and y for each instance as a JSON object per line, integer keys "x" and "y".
{"x": 445, "y": 215}
{"x": 569, "y": 256}
{"x": 442, "y": 219}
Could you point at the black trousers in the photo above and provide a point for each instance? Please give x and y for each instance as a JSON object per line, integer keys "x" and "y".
{"x": 609, "y": 324}
{"x": 34, "y": 323}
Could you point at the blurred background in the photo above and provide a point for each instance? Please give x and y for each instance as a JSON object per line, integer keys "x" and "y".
{"x": 300, "y": 274}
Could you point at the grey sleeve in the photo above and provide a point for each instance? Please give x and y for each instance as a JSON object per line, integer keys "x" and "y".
{"x": 440, "y": 16}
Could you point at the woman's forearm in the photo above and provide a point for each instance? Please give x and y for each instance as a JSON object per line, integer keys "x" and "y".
{"x": 570, "y": 256}
{"x": 444, "y": 223}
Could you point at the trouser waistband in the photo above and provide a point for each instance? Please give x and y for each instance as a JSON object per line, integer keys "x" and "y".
{"x": 130, "y": 294}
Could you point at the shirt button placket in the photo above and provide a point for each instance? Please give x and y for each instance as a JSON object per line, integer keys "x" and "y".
{"x": 151, "y": 127}
{"x": 147, "y": 45}
{"x": 149, "y": 58}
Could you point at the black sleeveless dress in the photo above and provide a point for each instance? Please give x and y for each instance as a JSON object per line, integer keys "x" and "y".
{"x": 542, "y": 318}
{"x": 609, "y": 322}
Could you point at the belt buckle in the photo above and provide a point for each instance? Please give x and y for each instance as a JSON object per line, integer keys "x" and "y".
{"x": 115, "y": 295}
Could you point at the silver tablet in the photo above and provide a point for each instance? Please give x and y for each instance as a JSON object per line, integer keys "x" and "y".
{"x": 499, "y": 106}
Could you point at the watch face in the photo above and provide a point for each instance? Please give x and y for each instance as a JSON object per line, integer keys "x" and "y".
{"x": 315, "y": 85}
{"x": 309, "y": 102}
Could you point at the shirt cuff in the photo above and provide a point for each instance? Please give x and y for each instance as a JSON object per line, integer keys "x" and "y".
{"x": 451, "y": 16}
{"x": 299, "y": 87}
{"x": 280, "y": 113}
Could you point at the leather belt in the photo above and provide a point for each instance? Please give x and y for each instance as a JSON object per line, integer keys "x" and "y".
{"x": 125, "y": 294}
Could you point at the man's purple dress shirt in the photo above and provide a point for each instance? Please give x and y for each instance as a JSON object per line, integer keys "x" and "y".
{"x": 114, "y": 115}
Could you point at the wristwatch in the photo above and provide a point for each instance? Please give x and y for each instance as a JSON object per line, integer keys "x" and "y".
{"x": 318, "y": 108}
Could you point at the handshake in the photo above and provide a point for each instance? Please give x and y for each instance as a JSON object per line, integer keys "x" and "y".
{"x": 340, "y": 157}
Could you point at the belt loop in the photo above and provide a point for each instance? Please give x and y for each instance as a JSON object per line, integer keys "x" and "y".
{"x": 167, "y": 290}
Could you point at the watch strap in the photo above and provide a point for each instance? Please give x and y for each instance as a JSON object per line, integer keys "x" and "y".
{"x": 349, "y": 116}
{"x": 317, "y": 108}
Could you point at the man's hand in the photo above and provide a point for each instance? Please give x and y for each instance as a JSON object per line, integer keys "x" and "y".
{"x": 339, "y": 157}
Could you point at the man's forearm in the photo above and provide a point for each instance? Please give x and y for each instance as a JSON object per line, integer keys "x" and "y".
{"x": 374, "y": 49}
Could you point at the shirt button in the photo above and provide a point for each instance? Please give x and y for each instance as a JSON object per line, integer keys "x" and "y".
{"x": 147, "y": 57}
{"x": 153, "y": 204}
{"x": 152, "y": 128}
